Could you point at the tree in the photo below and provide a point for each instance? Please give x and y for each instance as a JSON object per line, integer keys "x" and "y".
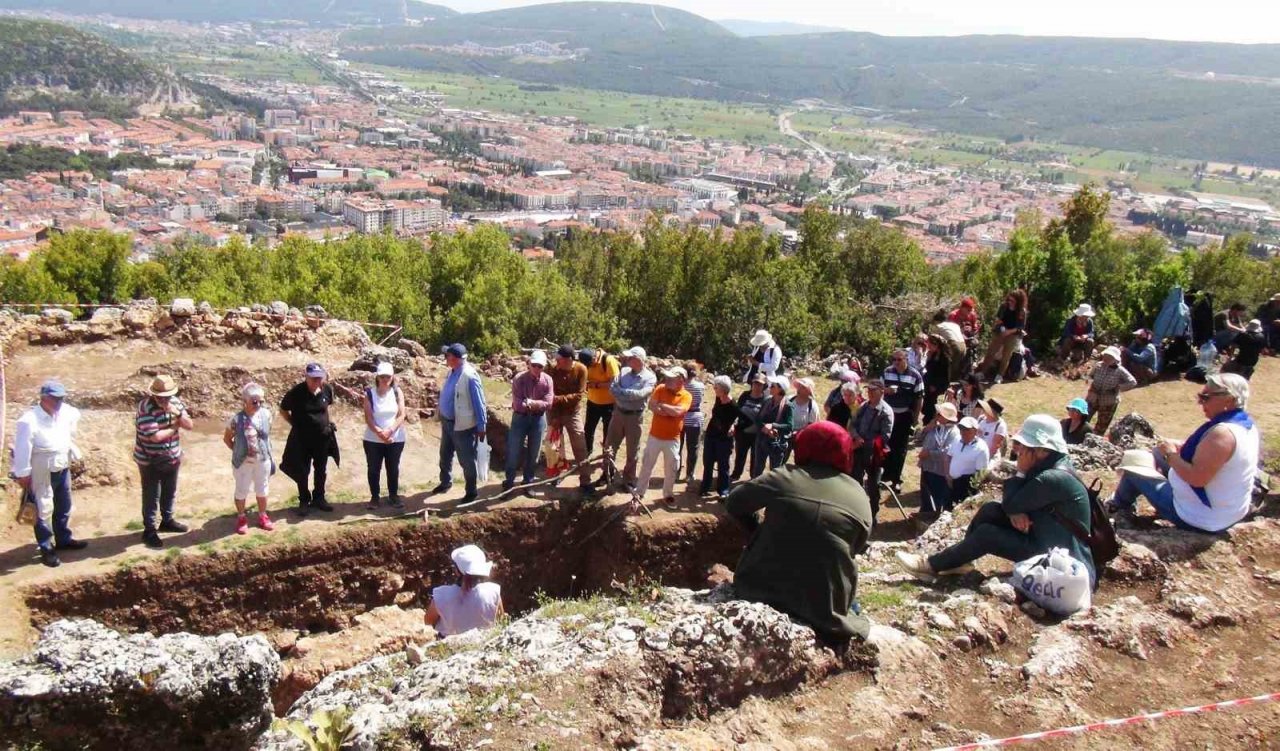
{"x": 1084, "y": 214}
{"x": 93, "y": 266}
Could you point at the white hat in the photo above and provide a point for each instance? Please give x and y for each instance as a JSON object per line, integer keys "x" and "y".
{"x": 1085, "y": 309}
{"x": 636, "y": 352}
{"x": 806, "y": 382}
{"x": 676, "y": 372}
{"x": 538, "y": 357}
{"x": 1140, "y": 462}
{"x": 968, "y": 423}
{"x": 1253, "y": 326}
{"x": 1041, "y": 432}
{"x": 948, "y": 411}
{"x": 1112, "y": 352}
{"x": 781, "y": 383}
{"x": 470, "y": 561}
{"x": 761, "y": 338}
{"x": 384, "y": 368}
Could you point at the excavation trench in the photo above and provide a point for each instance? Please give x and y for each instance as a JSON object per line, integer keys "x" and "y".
{"x": 320, "y": 585}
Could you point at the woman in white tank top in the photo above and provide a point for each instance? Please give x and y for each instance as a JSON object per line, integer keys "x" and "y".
{"x": 473, "y": 604}
{"x": 384, "y": 416}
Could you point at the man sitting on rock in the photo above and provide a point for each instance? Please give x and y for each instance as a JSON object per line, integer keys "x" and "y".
{"x": 1141, "y": 358}
{"x": 1030, "y": 519}
{"x": 1204, "y": 483}
{"x": 816, "y": 519}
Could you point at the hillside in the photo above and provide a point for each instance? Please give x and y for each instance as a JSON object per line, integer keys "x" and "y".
{"x": 745, "y": 28}
{"x": 314, "y": 11}
{"x": 1132, "y": 94}
{"x": 50, "y": 66}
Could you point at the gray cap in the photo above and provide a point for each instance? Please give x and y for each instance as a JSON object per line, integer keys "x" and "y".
{"x": 53, "y": 388}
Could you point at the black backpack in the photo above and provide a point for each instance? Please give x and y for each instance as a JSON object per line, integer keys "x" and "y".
{"x": 1101, "y": 536}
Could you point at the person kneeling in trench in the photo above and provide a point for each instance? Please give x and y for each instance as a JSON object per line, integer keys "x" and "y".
{"x": 1030, "y": 520}
{"x": 816, "y": 519}
{"x": 473, "y": 603}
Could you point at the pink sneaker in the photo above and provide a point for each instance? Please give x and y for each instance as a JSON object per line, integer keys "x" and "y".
{"x": 264, "y": 521}
{"x": 242, "y": 525}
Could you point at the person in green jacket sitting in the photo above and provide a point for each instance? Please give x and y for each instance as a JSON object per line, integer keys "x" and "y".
{"x": 1027, "y": 522}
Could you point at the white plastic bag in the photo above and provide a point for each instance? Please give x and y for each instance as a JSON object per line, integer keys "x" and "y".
{"x": 482, "y": 460}
{"x": 1055, "y": 581}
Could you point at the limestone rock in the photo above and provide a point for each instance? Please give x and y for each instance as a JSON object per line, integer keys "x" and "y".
{"x": 371, "y": 355}
{"x": 58, "y": 316}
{"x": 1132, "y": 431}
{"x": 86, "y": 686}
{"x": 316, "y": 311}
{"x": 205, "y": 308}
{"x": 279, "y": 308}
{"x": 1128, "y": 626}
{"x": 1055, "y": 652}
{"x": 182, "y": 307}
{"x": 1095, "y": 454}
{"x": 107, "y": 316}
{"x": 412, "y": 347}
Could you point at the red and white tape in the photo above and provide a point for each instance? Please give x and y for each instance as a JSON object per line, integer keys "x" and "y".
{"x": 1107, "y": 724}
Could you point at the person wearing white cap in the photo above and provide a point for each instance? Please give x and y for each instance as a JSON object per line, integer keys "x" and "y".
{"x": 669, "y": 404}
{"x": 1076, "y": 342}
{"x": 1141, "y": 357}
{"x": 248, "y": 435}
{"x": 312, "y": 438}
{"x": 774, "y": 427}
{"x": 631, "y": 391}
{"x": 157, "y": 450}
{"x": 532, "y": 393}
{"x": 1204, "y": 483}
{"x": 472, "y": 603}
{"x": 1107, "y": 380}
{"x": 966, "y": 458}
{"x": 43, "y": 449}
{"x": 765, "y": 357}
{"x": 384, "y": 435}
{"x": 1043, "y": 507}
{"x": 804, "y": 408}
{"x": 1245, "y": 350}
{"x": 939, "y": 436}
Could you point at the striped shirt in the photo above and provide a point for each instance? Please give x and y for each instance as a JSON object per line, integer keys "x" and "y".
{"x": 693, "y": 418}
{"x": 150, "y": 419}
{"x": 910, "y": 387}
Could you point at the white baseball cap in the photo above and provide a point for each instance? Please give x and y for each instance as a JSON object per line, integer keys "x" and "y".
{"x": 538, "y": 357}
{"x": 636, "y": 352}
{"x": 968, "y": 423}
{"x": 384, "y": 368}
{"x": 470, "y": 561}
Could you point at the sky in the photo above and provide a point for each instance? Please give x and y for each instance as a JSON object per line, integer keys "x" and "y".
{"x": 1244, "y": 21}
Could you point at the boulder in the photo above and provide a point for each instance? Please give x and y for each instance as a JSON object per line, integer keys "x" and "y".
{"x": 182, "y": 307}
{"x": 278, "y": 308}
{"x": 205, "y": 308}
{"x": 107, "y": 316}
{"x": 373, "y": 354}
{"x": 316, "y": 311}
{"x": 1095, "y": 454}
{"x": 412, "y": 347}
{"x": 141, "y": 314}
{"x": 57, "y": 316}
{"x": 1132, "y": 431}
{"x": 87, "y": 686}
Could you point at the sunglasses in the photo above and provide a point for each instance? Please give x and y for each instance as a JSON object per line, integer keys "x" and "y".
{"x": 1205, "y": 396}
{"x": 256, "y": 402}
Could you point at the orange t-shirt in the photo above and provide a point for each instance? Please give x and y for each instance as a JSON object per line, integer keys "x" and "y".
{"x": 669, "y": 428}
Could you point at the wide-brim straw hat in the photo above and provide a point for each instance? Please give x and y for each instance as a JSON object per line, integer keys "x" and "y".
{"x": 948, "y": 411}
{"x": 1141, "y": 462}
{"x": 761, "y": 338}
{"x": 163, "y": 385}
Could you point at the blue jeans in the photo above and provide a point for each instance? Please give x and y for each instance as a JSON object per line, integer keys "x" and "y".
{"x": 61, "y": 532}
{"x": 463, "y": 442}
{"x": 1158, "y": 492}
{"x": 935, "y": 494}
{"x": 524, "y": 428}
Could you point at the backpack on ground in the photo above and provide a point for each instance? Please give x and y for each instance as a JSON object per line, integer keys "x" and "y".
{"x": 1101, "y": 536}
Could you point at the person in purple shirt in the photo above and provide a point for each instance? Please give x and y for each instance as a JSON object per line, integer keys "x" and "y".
{"x": 531, "y": 394}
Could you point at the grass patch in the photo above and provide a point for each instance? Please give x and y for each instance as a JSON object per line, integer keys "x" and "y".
{"x": 590, "y": 607}
{"x": 133, "y": 525}
{"x": 172, "y": 554}
{"x": 876, "y": 600}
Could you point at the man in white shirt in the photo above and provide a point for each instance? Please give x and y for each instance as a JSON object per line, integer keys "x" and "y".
{"x": 43, "y": 449}
{"x": 966, "y": 458}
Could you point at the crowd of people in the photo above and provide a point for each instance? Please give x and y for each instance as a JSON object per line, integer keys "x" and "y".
{"x": 817, "y": 467}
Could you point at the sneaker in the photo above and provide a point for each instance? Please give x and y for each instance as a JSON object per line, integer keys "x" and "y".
{"x": 72, "y": 544}
{"x": 704, "y": 489}
{"x": 242, "y": 525}
{"x": 322, "y": 505}
{"x": 173, "y": 525}
{"x": 721, "y": 495}
{"x": 49, "y": 558}
{"x": 302, "y": 510}
{"x": 958, "y": 570}
{"x": 397, "y": 502}
{"x": 916, "y": 565}
{"x": 508, "y": 485}
{"x": 469, "y": 499}
{"x": 265, "y": 522}
{"x": 997, "y": 380}
{"x": 152, "y": 540}
{"x": 374, "y": 504}
{"x": 441, "y": 488}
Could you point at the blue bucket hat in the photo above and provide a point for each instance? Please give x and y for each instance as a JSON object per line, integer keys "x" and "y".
{"x": 1079, "y": 405}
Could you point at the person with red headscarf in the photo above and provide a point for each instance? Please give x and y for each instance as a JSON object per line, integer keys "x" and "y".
{"x": 816, "y": 519}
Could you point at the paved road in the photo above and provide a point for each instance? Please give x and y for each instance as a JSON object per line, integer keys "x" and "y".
{"x": 784, "y": 127}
